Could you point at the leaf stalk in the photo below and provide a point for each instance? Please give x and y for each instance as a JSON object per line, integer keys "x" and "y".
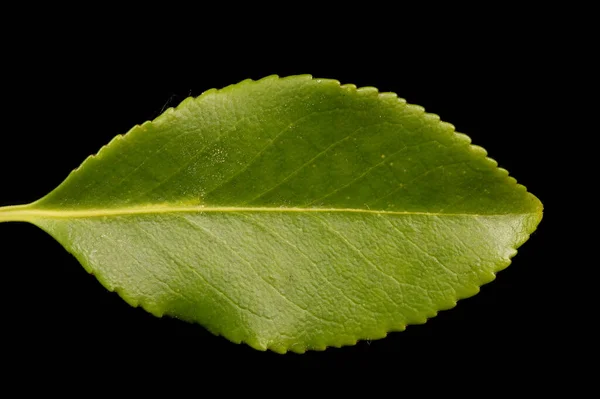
{"x": 14, "y": 213}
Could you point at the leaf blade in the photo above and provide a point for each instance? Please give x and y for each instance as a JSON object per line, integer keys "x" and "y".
{"x": 291, "y": 214}
{"x": 287, "y": 260}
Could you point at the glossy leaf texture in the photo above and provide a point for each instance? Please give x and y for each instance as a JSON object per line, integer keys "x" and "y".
{"x": 291, "y": 214}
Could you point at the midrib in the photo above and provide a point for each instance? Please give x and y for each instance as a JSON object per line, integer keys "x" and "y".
{"x": 28, "y": 213}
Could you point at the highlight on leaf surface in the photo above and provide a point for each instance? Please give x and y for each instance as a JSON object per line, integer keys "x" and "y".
{"x": 290, "y": 214}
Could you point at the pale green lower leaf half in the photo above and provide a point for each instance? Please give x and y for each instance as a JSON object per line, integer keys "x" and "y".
{"x": 292, "y": 279}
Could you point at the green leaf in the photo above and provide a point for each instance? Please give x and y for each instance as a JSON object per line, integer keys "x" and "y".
{"x": 290, "y": 214}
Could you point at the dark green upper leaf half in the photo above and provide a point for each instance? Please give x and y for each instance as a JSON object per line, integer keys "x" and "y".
{"x": 291, "y": 214}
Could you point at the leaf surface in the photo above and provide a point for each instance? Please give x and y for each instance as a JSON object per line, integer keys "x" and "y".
{"x": 291, "y": 214}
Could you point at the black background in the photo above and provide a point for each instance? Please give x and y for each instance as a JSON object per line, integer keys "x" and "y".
{"x": 65, "y": 97}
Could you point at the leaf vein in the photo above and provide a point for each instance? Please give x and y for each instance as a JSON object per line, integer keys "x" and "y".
{"x": 206, "y": 281}
{"x": 422, "y": 175}
{"x": 24, "y": 214}
{"x": 270, "y": 285}
{"x": 419, "y": 248}
{"x": 158, "y": 245}
{"x": 140, "y": 264}
{"x": 369, "y": 170}
{"x": 320, "y": 154}
{"x": 282, "y": 239}
{"x": 269, "y": 144}
{"x": 329, "y": 227}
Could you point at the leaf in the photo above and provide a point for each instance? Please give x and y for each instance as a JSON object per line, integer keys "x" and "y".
{"x": 290, "y": 214}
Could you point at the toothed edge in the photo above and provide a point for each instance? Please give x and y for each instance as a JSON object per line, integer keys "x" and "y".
{"x": 365, "y": 91}
{"x": 484, "y": 278}
{"x": 370, "y": 91}
{"x": 429, "y": 117}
